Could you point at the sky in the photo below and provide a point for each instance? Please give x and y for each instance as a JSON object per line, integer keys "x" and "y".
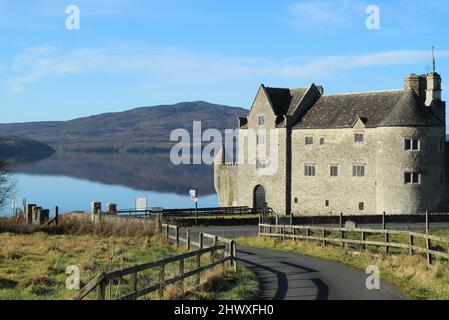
{"x": 130, "y": 53}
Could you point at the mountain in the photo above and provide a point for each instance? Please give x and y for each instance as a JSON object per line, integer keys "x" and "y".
{"x": 138, "y": 130}
{"x": 11, "y": 146}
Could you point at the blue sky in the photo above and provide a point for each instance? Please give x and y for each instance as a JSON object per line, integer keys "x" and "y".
{"x": 131, "y": 53}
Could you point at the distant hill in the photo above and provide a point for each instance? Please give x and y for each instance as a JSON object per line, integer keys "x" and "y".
{"x": 143, "y": 130}
{"x": 11, "y": 146}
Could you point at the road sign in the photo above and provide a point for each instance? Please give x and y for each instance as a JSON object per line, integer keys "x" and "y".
{"x": 141, "y": 203}
{"x": 194, "y": 195}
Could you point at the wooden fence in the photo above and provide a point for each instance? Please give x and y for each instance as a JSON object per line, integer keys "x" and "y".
{"x": 188, "y": 212}
{"x": 433, "y": 246}
{"x": 110, "y": 285}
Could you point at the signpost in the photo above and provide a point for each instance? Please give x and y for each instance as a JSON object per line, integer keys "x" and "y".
{"x": 194, "y": 197}
{"x": 141, "y": 204}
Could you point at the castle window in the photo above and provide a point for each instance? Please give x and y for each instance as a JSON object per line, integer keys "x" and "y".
{"x": 309, "y": 141}
{"x": 261, "y": 163}
{"x": 296, "y": 200}
{"x": 361, "y": 206}
{"x": 412, "y": 178}
{"x": 412, "y": 145}
{"x": 261, "y": 139}
{"x": 358, "y": 170}
{"x": 358, "y": 138}
{"x": 321, "y": 141}
{"x": 309, "y": 170}
{"x": 334, "y": 171}
{"x": 326, "y": 203}
{"x": 261, "y": 120}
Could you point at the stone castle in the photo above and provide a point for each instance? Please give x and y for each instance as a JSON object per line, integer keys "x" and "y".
{"x": 355, "y": 153}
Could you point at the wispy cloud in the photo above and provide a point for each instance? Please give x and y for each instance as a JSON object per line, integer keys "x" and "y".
{"x": 325, "y": 15}
{"x": 329, "y": 16}
{"x": 173, "y": 65}
{"x": 35, "y": 64}
{"x": 334, "y": 64}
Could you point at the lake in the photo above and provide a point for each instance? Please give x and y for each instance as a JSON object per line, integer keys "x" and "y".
{"x": 73, "y": 180}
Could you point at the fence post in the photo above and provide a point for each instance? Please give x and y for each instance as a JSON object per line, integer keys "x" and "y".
{"x": 291, "y": 218}
{"x": 200, "y": 240}
{"x": 387, "y": 240}
{"x": 134, "y": 284}
{"x": 363, "y": 240}
{"x": 188, "y": 239}
{"x": 101, "y": 291}
{"x": 283, "y": 233}
{"x": 342, "y": 233}
{"x": 212, "y": 253}
{"x": 168, "y": 232}
{"x": 410, "y": 243}
{"x": 307, "y": 234}
{"x": 429, "y": 256}
{"x": 177, "y": 235}
{"x": 428, "y": 245}
{"x": 277, "y": 223}
{"x": 161, "y": 281}
{"x": 56, "y": 215}
{"x": 324, "y": 237}
{"x": 387, "y": 235}
{"x": 181, "y": 272}
{"x": 198, "y": 265}
{"x": 233, "y": 254}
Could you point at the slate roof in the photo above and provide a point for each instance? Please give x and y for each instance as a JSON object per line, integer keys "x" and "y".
{"x": 377, "y": 109}
{"x": 409, "y": 111}
{"x": 284, "y": 101}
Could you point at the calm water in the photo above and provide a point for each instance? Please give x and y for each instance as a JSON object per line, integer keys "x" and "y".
{"x": 73, "y": 181}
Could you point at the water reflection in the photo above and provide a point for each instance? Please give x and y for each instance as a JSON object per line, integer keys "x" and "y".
{"x": 147, "y": 172}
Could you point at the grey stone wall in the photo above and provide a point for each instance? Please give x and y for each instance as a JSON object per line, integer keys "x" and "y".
{"x": 382, "y": 189}
{"x": 323, "y": 194}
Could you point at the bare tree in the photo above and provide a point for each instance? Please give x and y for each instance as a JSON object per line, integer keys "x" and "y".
{"x": 6, "y": 184}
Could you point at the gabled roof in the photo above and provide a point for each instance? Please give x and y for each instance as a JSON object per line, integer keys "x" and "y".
{"x": 383, "y": 108}
{"x": 284, "y": 101}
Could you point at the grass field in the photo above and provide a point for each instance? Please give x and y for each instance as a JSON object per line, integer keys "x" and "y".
{"x": 33, "y": 266}
{"x": 410, "y": 274}
{"x": 34, "y": 260}
{"x": 230, "y": 285}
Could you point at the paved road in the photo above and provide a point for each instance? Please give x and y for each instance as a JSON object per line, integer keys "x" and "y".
{"x": 285, "y": 275}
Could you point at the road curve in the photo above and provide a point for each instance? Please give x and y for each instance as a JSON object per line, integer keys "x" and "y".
{"x": 291, "y": 276}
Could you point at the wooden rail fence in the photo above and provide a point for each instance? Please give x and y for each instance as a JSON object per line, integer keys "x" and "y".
{"x": 114, "y": 286}
{"x": 188, "y": 212}
{"x": 407, "y": 240}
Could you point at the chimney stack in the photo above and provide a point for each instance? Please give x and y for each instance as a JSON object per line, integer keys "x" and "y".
{"x": 417, "y": 84}
{"x": 433, "y": 91}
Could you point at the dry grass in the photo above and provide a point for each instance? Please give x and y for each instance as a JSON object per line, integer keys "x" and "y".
{"x": 410, "y": 274}
{"x": 80, "y": 224}
{"x": 33, "y": 266}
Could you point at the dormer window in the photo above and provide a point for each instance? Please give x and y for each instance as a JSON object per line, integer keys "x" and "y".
{"x": 261, "y": 120}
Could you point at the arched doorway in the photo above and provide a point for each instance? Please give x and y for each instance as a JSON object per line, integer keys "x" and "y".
{"x": 259, "y": 198}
